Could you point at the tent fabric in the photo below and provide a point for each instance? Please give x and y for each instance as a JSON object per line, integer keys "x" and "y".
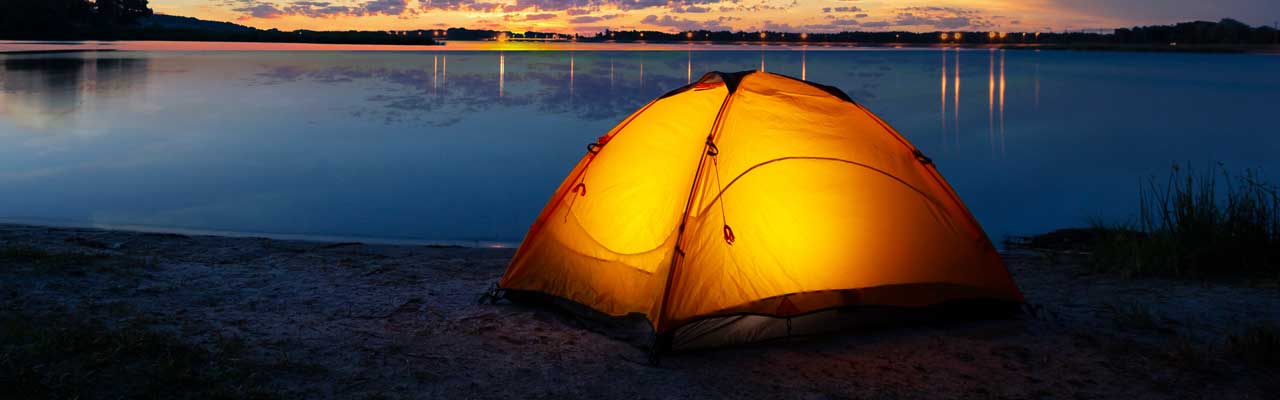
{"x": 755, "y": 194}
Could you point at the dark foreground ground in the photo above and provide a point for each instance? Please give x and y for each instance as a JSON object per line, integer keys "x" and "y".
{"x": 102, "y": 314}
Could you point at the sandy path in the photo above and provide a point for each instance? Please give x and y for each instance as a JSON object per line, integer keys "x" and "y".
{"x": 369, "y": 321}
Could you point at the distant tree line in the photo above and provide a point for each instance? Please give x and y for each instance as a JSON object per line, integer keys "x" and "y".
{"x": 1227, "y": 31}
{"x": 67, "y": 18}
{"x": 903, "y": 37}
{"x": 484, "y": 34}
{"x": 133, "y": 20}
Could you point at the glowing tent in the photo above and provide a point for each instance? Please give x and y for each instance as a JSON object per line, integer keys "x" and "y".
{"x": 750, "y": 198}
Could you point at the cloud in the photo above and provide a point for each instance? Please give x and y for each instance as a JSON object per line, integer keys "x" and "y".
{"x": 934, "y": 18}
{"x": 690, "y": 9}
{"x": 688, "y": 24}
{"x": 387, "y": 7}
{"x": 840, "y": 9}
{"x": 831, "y": 25}
{"x": 751, "y": 8}
{"x": 552, "y": 5}
{"x": 529, "y": 17}
{"x": 262, "y": 10}
{"x": 323, "y": 9}
{"x": 587, "y": 19}
{"x": 580, "y": 6}
{"x": 909, "y": 19}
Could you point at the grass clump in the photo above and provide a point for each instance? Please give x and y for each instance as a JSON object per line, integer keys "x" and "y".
{"x": 1197, "y": 225}
{"x": 1258, "y": 344}
{"x": 63, "y": 357}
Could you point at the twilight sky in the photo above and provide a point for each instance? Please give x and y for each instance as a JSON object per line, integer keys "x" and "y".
{"x": 588, "y": 16}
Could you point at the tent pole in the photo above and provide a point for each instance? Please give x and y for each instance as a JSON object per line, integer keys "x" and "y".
{"x": 659, "y": 330}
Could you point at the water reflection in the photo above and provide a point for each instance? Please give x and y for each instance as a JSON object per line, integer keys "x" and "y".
{"x": 956, "y": 90}
{"x": 642, "y": 73}
{"x": 1037, "y": 83}
{"x": 688, "y": 71}
{"x": 525, "y": 80}
{"x": 804, "y": 63}
{"x": 942, "y": 114}
{"x": 1002, "y": 150}
{"x": 952, "y": 129}
{"x": 991, "y": 100}
{"x": 53, "y": 92}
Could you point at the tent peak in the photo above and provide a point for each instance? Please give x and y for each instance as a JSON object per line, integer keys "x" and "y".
{"x": 732, "y": 80}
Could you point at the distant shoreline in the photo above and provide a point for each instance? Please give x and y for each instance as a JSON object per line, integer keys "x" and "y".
{"x": 25, "y": 46}
{"x": 315, "y": 238}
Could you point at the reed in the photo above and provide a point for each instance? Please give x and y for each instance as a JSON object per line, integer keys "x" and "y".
{"x": 1210, "y": 224}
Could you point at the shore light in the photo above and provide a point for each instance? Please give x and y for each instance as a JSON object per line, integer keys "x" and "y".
{"x": 945, "y": 36}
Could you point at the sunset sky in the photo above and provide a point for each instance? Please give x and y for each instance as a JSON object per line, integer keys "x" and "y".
{"x": 589, "y": 16}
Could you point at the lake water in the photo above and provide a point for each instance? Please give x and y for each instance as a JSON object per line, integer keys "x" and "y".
{"x": 442, "y": 145}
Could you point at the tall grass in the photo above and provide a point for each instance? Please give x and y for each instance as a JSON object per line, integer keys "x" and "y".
{"x": 1193, "y": 224}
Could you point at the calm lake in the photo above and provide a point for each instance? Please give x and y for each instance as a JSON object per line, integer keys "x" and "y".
{"x": 467, "y": 146}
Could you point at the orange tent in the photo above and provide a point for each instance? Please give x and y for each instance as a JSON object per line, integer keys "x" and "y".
{"x": 749, "y": 197}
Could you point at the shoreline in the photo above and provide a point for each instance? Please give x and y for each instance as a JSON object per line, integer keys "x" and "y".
{"x": 318, "y": 238}
{"x": 340, "y": 320}
{"x": 33, "y": 46}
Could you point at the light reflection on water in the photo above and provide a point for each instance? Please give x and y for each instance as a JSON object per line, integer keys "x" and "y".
{"x": 397, "y": 145}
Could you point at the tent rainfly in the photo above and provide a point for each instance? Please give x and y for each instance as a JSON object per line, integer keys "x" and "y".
{"x": 751, "y": 205}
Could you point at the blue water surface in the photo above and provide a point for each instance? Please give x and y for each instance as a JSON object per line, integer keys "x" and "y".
{"x": 468, "y": 146}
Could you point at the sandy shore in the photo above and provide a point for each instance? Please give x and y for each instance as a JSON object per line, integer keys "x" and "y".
{"x": 347, "y": 320}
